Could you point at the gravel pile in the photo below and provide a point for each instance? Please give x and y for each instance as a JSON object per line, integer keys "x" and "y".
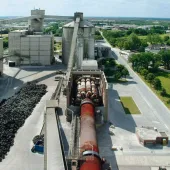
{"x": 14, "y": 111}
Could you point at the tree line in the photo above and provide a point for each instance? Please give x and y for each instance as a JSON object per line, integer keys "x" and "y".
{"x": 133, "y": 41}
{"x": 150, "y": 60}
{"x": 147, "y": 65}
{"x": 98, "y": 35}
{"x": 54, "y": 28}
{"x": 112, "y": 69}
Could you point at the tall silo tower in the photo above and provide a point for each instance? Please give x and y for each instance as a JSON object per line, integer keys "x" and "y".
{"x": 85, "y": 37}
{"x": 37, "y": 20}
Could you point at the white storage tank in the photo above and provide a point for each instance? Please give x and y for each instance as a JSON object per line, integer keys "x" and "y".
{"x": 86, "y": 31}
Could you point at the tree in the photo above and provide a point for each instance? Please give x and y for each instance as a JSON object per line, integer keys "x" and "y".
{"x": 163, "y": 92}
{"x": 112, "y": 62}
{"x": 154, "y": 38}
{"x": 5, "y": 42}
{"x": 120, "y": 67}
{"x": 166, "y": 38}
{"x": 165, "y": 56}
{"x": 117, "y": 75}
{"x": 157, "y": 84}
{"x": 134, "y": 42}
{"x": 168, "y": 42}
{"x": 144, "y": 72}
{"x": 155, "y": 62}
{"x": 125, "y": 72}
{"x": 150, "y": 77}
{"x": 108, "y": 72}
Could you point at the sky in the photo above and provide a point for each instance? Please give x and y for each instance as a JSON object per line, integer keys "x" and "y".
{"x": 112, "y": 8}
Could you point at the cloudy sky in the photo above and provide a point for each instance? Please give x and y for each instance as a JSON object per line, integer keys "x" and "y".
{"x": 122, "y": 8}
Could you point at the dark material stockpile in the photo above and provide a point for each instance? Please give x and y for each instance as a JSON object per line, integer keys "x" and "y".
{"x": 14, "y": 111}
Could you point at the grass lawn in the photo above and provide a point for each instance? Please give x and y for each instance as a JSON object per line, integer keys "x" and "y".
{"x": 129, "y": 105}
{"x": 165, "y": 80}
{"x": 161, "y": 35}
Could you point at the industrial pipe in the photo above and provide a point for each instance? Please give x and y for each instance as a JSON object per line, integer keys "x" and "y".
{"x": 88, "y": 141}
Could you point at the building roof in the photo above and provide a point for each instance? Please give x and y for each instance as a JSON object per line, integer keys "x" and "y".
{"x": 16, "y": 31}
{"x": 84, "y": 24}
{"x": 149, "y": 133}
{"x": 92, "y": 64}
{"x": 37, "y": 36}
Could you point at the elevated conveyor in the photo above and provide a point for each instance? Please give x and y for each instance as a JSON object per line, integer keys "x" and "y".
{"x": 53, "y": 152}
{"x": 73, "y": 47}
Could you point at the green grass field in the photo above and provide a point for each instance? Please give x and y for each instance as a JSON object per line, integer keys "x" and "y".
{"x": 129, "y": 105}
{"x": 165, "y": 81}
{"x": 161, "y": 35}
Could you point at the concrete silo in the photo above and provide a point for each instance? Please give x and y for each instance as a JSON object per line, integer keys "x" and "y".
{"x": 85, "y": 36}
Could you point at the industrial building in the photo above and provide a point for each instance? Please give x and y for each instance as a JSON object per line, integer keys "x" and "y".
{"x": 85, "y": 86}
{"x": 101, "y": 50}
{"x": 95, "y": 77}
{"x": 84, "y": 43}
{"x": 31, "y": 46}
{"x": 1, "y": 56}
{"x": 150, "y": 135}
{"x": 30, "y": 49}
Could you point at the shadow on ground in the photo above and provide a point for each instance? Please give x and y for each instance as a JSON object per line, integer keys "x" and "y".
{"x": 56, "y": 67}
{"x": 9, "y": 86}
{"x": 117, "y": 114}
{"x": 105, "y": 145}
{"x": 65, "y": 145}
{"x": 114, "y": 55}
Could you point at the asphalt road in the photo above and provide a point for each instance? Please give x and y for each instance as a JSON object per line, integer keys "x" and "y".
{"x": 157, "y": 106}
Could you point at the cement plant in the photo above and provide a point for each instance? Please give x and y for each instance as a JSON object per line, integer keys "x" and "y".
{"x": 58, "y": 108}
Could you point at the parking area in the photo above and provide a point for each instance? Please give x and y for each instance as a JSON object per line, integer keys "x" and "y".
{"x": 132, "y": 153}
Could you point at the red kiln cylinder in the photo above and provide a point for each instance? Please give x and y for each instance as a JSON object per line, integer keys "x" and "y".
{"x": 88, "y": 141}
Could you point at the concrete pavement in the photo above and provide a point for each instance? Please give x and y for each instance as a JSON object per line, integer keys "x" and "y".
{"x": 157, "y": 106}
{"x": 154, "y": 113}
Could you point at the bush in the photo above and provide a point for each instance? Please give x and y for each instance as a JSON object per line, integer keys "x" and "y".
{"x": 118, "y": 75}
{"x": 157, "y": 84}
{"x": 168, "y": 102}
{"x": 108, "y": 72}
{"x": 125, "y": 72}
{"x": 144, "y": 72}
{"x": 150, "y": 77}
{"x": 163, "y": 92}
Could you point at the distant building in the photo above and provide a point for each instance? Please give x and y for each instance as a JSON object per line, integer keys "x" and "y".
{"x": 156, "y": 48}
{"x": 150, "y": 135}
